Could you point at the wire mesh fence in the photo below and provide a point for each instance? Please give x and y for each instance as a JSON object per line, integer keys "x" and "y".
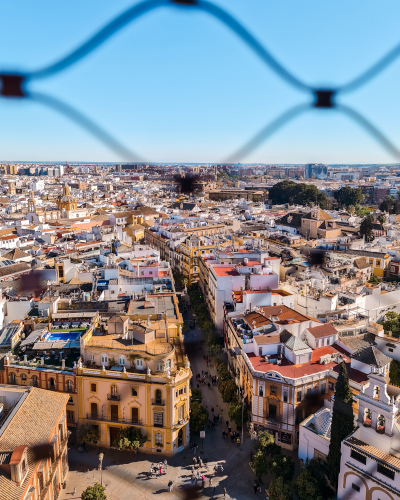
{"x": 17, "y": 85}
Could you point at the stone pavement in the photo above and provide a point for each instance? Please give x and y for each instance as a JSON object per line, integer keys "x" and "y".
{"x": 125, "y": 474}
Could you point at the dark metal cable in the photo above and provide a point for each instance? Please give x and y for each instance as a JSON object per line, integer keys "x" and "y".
{"x": 138, "y": 10}
{"x": 267, "y": 131}
{"x": 13, "y": 85}
{"x": 100, "y": 37}
{"x": 371, "y": 72}
{"x": 84, "y": 122}
{"x": 252, "y": 42}
{"x": 370, "y": 128}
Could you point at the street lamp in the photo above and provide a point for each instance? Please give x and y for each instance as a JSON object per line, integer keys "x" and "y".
{"x": 101, "y": 456}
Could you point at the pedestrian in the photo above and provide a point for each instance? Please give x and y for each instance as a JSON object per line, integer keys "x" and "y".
{"x": 165, "y": 465}
{"x": 203, "y": 480}
{"x": 198, "y": 475}
{"x": 229, "y": 429}
{"x": 208, "y": 385}
{"x": 255, "y": 487}
{"x": 223, "y": 435}
{"x": 220, "y": 419}
{"x": 194, "y": 460}
{"x": 212, "y": 409}
{"x": 160, "y": 469}
{"x": 238, "y": 442}
{"x": 224, "y": 491}
{"x": 227, "y": 424}
{"x": 74, "y": 491}
{"x": 198, "y": 386}
{"x": 170, "y": 485}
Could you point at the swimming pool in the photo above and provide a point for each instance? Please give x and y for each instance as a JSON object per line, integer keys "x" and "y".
{"x": 67, "y": 336}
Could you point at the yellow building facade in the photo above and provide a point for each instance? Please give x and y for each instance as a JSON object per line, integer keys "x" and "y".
{"x": 124, "y": 383}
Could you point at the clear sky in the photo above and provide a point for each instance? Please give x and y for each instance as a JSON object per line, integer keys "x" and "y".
{"x": 178, "y": 86}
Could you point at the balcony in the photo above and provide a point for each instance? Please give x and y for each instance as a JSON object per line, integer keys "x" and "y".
{"x": 69, "y": 389}
{"x": 113, "y": 397}
{"x": 102, "y": 418}
{"x": 158, "y": 402}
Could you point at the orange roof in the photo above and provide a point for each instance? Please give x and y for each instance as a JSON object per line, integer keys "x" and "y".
{"x": 225, "y": 271}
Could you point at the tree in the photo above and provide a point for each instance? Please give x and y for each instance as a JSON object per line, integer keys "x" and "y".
{"x": 279, "y": 490}
{"x": 362, "y": 211}
{"x": 196, "y": 395}
{"x": 374, "y": 280}
{"x": 381, "y": 219}
{"x": 228, "y": 390}
{"x": 129, "y": 438}
{"x": 394, "y": 373}
{"x": 259, "y": 464}
{"x": 347, "y": 196}
{"x": 300, "y": 193}
{"x": 198, "y": 416}
{"x": 282, "y": 466}
{"x": 306, "y": 487}
{"x": 351, "y": 209}
{"x": 392, "y": 323}
{"x": 266, "y": 443}
{"x": 366, "y": 227}
{"x": 95, "y": 492}
{"x": 342, "y": 422}
{"x": 89, "y": 433}
{"x": 235, "y": 413}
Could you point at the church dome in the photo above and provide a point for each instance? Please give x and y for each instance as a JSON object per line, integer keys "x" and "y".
{"x": 323, "y": 422}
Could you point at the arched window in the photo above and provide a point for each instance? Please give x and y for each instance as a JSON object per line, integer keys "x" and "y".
{"x": 52, "y": 384}
{"x": 380, "y": 424}
{"x": 158, "y": 397}
{"x": 114, "y": 390}
{"x": 121, "y": 360}
{"x": 104, "y": 359}
{"x": 261, "y": 391}
{"x": 139, "y": 364}
{"x": 168, "y": 364}
{"x": 11, "y": 378}
{"x": 160, "y": 366}
{"x": 69, "y": 386}
{"x": 35, "y": 382}
{"x": 376, "y": 392}
{"x": 367, "y": 417}
{"x": 23, "y": 377}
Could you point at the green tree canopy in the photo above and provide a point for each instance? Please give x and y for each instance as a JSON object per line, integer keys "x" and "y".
{"x": 279, "y": 490}
{"x": 95, "y": 492}
{"x": 89, "y": 433}
{"x": 347, "y": 196}
{"x": 266, "y": 443}
{"x": 306, "y": 487}
{"x": 391, "y": 323}
{"x": 228, "y": 390}
{"x": 129, "y": 438}
{"x": 196, "y": 395}
{"x": 235, "y": 413}
{"x": 366, "y": 227}
{"x": 198, "y": 416}
{"x": 259, "y": 464}
{"x": 342, "y": 422}
{"x": 282, "y": 466}
{"x": 300, "y": 193}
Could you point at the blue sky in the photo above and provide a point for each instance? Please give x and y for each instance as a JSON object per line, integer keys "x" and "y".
{"x": 177, "y": 86}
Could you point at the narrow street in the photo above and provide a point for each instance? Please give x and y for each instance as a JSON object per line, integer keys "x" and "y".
{"x": 125, "y": 474}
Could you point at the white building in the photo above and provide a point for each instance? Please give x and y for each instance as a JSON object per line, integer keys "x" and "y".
{"x": 36, "y": 186}
{"x": 370, "y": 463}
{"x": 315, "y": 433}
